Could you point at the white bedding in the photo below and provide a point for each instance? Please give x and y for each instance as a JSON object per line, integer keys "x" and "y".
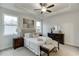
{"x": 35, "y": 40}
{"x": 34, "y": 43}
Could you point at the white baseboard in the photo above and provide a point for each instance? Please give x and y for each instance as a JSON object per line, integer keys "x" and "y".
{"x": 71, "y": 45}
{"x": 6, "y": 49}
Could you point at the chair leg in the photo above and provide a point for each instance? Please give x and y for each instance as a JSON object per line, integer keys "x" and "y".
{"x": 40, "y": 52}
{"x": 48, "y": 54}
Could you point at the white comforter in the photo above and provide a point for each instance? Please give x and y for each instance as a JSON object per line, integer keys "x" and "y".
{"x": 34, "y": 43}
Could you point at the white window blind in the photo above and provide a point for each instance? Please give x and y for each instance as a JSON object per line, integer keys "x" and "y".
{"x": 38, "y": 26}
{"x": 10, "y": 25}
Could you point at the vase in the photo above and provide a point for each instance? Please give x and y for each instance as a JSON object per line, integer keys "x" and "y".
{"x": 51, "y": 31}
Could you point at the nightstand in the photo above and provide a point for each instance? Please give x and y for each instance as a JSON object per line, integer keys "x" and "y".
{"x": 18, "y": 42}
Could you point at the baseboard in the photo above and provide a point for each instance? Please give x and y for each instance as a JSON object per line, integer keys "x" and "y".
{"x": 71, "y": 45}
{"x": 5, "y": 49}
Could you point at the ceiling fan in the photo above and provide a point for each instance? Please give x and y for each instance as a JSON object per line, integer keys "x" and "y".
{"x": 45, "y": 8}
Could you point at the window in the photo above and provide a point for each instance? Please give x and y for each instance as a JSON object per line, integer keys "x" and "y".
{"x": 10, "y": 25}
{"x": 38, "y": 26}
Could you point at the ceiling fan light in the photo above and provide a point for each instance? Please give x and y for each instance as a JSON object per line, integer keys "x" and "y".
{"x": 44, "y": 9}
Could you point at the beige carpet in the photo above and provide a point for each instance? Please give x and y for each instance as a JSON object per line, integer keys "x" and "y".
{"x": 64, "y": 51}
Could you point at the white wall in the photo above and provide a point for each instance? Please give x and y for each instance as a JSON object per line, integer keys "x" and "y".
{"x": 6, "y": 41}
{"x": 69, "y": 23}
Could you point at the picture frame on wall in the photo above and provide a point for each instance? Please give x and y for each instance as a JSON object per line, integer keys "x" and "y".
{"x": 28, "y": 23}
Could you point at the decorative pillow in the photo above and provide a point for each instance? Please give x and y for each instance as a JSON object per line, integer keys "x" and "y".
{"x": 53, "y": 42}
{"x": 49, "y": 41}
{"x": 35, "y": 35}
{"x": 43, "y": 38}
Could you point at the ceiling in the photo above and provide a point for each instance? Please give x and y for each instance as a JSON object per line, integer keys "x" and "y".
{"x": 29, "y": 7}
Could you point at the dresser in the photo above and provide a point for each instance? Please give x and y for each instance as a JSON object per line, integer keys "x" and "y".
{"x": 57, "y": 36}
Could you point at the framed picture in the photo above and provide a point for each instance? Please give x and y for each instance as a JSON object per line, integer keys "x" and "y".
{"x": 28, "y": 23}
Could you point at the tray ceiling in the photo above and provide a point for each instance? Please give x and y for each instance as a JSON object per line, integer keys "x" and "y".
{"x": 29, "y": 7}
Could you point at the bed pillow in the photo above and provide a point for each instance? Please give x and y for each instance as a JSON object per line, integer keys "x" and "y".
{"x": 28, "y": 35}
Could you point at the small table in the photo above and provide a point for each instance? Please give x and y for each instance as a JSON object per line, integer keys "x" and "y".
{"x": 46, "y": 49}
{"x": 18, "y": 42}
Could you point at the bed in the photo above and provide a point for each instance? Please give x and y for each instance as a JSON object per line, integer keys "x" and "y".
{"x": 34, "y": 43}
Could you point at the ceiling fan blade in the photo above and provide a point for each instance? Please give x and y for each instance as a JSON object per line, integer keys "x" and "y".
{"x": 49, "y": 11}
{"x": 41, "y": 4}
{"x": 37, "y": 9}
{"x": 50, "y": 6}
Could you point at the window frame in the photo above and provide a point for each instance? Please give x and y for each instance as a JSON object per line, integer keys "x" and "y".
{"x": 40, "y": 30}
{"x": 9, "y": 24}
